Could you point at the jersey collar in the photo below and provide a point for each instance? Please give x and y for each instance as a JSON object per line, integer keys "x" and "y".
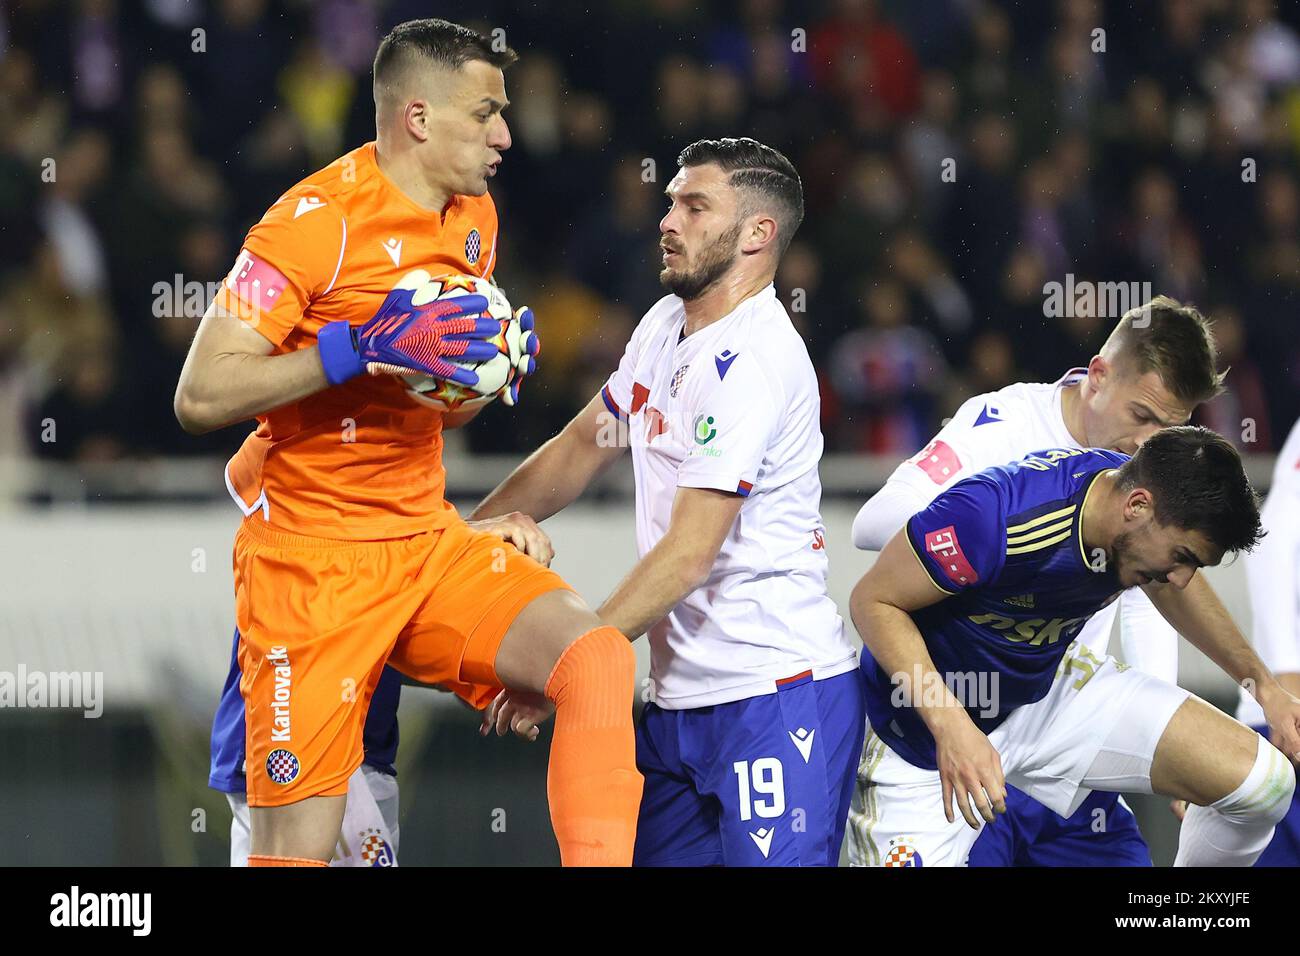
{"x": 1072, "y": 376}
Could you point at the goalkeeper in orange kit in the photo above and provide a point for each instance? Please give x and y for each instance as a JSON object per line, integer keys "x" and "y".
{"x": 349, "y": 557}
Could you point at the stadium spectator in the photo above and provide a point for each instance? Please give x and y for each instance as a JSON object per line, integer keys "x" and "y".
{"x": 127, "y": 140}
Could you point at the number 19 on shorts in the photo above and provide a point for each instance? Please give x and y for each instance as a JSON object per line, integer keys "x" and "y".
{"x": 762, "y": 788}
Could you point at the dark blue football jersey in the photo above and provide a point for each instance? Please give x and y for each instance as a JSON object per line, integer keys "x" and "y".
{"x": 1006, "y": 544}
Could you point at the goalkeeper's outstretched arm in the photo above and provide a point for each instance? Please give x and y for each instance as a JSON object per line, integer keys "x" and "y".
{"x": 552, "y": 477}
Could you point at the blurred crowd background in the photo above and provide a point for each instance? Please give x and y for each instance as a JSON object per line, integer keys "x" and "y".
{"x": 135, "y": 153}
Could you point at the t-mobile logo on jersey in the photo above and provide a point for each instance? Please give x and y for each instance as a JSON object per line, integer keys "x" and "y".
{"x": 258, "y": 283}
{"x": 945, "y": 547}
{"x": 939, "y": 461}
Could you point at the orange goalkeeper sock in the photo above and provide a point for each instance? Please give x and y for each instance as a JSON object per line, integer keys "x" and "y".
{"x": 261, "y": 859}
{"x": 593, "y": 786}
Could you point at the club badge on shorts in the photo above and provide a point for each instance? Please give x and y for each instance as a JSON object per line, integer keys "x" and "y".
{"x": 375, "y": 850}
{"x": 473, "y": 247}
{"x": 902, "y": 852}
{"x": 282, "y": 766}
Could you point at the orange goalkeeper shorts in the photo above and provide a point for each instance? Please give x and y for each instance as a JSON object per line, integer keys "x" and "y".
{"x": 319, "y": 618}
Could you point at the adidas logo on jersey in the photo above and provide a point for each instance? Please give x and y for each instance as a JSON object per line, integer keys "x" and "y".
{"x": 1021, "y": 600}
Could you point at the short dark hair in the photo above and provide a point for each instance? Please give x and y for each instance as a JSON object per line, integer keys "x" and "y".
{"x": 1199, "y": 483}
{"x": 1176, "y": 342}
{"x": 759, "y": 170}
{"x": 442, "y": 42}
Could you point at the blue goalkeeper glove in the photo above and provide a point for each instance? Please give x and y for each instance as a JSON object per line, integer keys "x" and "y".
{"x": 530, "y": 346}
{"x": 403, "y": 337}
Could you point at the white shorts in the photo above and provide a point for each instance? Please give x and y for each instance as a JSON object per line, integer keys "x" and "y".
{"x": 369, "y": 833}
{"x": 1097, "y": 729}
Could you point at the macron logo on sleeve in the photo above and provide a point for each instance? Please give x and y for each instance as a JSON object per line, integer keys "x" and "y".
{"x": 946, "y": 551}
{"x": 306, "y": 204}
{"x": 723, "y": 360}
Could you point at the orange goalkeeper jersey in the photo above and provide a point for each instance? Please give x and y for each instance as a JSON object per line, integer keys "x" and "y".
{"x": 362, "y": 460}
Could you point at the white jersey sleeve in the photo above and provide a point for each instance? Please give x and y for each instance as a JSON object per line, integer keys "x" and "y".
{"x": 732, "y": 421}
{"x": 954, "y": 453}
{"x": 1273, "y": 575}
{"x": 885, "y": 513}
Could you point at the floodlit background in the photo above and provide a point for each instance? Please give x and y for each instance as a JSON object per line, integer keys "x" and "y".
{"x": 1088, "y": 142}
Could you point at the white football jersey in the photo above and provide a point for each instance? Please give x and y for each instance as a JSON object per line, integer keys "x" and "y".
{"x": 993, "y": 429}
{"x": 1273, "y": 576}
{"x": 733, "y": 406}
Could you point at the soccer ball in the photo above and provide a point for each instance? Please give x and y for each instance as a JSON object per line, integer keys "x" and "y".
{"x": 494, "y": 373}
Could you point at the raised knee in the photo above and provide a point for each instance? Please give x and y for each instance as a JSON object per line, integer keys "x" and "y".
{"x": 1267, "y": 791}
{"x": 1283, "y": 785}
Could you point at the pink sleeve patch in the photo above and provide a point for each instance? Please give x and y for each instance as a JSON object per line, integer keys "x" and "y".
{"x": 945, "y": 549}
{"x": 256, "y": 282}
{"x": 939, "y": 461}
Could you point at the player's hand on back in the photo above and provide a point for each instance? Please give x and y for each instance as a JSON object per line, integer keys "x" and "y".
{"x": 518, "y": 711}
{"x": 971, "y": 770}
{"x": 521, "y": 531}
{"x": 403, "y": 337}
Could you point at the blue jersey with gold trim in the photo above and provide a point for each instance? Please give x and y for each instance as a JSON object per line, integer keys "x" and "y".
{"x": 1006, "y": 545}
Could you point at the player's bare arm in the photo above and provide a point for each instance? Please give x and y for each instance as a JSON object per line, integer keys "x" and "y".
{"x": 677, "y": 565}
{"x": 1198, "y": 614}
{"x": 547, "y": 481}
{"x": 672, "y": 569}
{"x": 552, "y": 477}
{"x": 880, "y": 606}
{"x": 231, "y": 376}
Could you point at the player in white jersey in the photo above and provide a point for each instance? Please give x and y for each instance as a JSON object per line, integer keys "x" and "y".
{"x": 1273, "y": 577}
{"x": 1148, "y": 375}
{"x": 749, "y": 746}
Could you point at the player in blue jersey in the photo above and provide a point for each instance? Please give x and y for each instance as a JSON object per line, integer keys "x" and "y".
{"x": 369, "y": 832}
{"x": 975, "y": 681}
{"x": 1155, "y": 367}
